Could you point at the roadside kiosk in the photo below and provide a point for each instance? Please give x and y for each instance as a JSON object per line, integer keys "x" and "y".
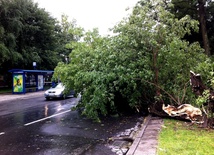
{"x": 29, "y": 80}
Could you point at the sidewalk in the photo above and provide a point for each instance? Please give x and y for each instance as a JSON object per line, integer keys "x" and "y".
{"x": 10, "y": 96}
{"x": 146, "y": 141}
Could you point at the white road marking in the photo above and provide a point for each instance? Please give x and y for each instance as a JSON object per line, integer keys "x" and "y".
{"x": 47, "y": 117}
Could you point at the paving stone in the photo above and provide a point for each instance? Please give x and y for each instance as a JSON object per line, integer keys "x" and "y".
{"x": 148, "y": 152}
{"x": 147, "y": 141}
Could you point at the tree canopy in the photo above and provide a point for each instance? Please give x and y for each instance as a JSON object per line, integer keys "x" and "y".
{"x": 27, "y": 34}
{"x": 30, "y": 34}
{"x": 201, "y": 10}
{"x": 147, "y": 60}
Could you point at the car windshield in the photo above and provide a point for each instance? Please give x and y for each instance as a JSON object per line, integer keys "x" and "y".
{"x": 58, "y": 86}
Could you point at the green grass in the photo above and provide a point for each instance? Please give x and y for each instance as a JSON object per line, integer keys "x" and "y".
{"x": 181, "y": 138}
{"x": 5, "y": 90}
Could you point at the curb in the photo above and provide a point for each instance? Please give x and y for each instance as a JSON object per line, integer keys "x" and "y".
{"x": 146, "y": 142}
{"x": 8, "y": 97}
{"x": 136, "y": 142}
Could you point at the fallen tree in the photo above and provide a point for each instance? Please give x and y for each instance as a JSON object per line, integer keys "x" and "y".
{"x": 202, "y": 115}
{"x": 205, "y": 98}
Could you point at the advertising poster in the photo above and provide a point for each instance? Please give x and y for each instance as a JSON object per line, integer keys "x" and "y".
{"x": 18, "y": 83}
{"x": 40, "y": 82}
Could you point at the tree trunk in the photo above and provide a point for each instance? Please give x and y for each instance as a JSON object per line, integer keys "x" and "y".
{"x": 156, "y": 71}
{"x": 202, "y": 20}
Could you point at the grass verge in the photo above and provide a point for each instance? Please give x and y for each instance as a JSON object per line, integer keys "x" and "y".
{"x": 181, "y": 138}
{"x": 5, "y": 90}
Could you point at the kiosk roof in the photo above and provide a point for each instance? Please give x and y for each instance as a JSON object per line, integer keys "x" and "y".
{"x": 29, "y": 71}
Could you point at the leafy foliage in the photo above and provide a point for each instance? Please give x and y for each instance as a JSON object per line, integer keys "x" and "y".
{"x": 126, "y": 71}
{"x": 191, "y": 8}
{"x": 206, "y": 70}
{"x": 161, "y": 37}
{"x": 205, "y": 100}
{"x": 27, "y": 34}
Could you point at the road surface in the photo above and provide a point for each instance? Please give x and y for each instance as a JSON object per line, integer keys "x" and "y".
{"x": 30, "y": 125}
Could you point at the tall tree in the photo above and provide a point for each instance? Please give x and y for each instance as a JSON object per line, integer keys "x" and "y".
{"x": 202, "y": 19}
{"x": 28, "y": 34}
{"x": 66, "y": 36}
{"x": 201, "y": 10}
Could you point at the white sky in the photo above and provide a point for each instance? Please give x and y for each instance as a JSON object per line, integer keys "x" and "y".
{"x": 101, "y": 14}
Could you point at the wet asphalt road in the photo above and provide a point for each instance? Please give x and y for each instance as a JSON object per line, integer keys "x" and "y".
{"x": 34, "y": 126}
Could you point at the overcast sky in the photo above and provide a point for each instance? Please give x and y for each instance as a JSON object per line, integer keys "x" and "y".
{"x": 101, "y": 14}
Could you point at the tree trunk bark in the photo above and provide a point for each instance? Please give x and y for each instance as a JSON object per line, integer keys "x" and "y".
{"x": 156, "y": 71}
{"x": 202, "y": 20}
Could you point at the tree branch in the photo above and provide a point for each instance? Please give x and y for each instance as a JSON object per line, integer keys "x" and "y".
{"x": 161, "y": 89}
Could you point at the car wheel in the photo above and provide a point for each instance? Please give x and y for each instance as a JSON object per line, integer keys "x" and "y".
{"x": 47, "y": 98}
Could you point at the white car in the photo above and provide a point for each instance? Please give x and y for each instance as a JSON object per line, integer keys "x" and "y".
{"x": 57, "y": 91}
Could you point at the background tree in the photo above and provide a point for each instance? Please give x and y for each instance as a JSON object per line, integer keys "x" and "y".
{"x": 202, "y": 19}
{"x": 29, "y": 34}
{"x": 65, "y": 36}
{"x": 201, "y": 10}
